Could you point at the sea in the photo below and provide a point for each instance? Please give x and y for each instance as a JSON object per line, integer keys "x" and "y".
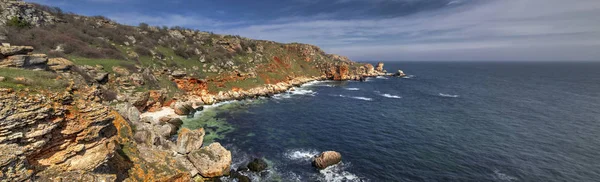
{"x": 445, "y": 121}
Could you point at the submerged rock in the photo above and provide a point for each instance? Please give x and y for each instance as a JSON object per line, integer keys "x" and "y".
{"x": 257, "y": 165}
{"x": 189, "y": 140}
{"x": 400, "y": 73}
{"x": 326, "y": 159}
{"x": 211, "y": 161}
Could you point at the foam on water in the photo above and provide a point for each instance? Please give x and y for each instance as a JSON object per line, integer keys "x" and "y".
{"x": 337, "y": 173}
{"x": 448, "y": 95}
{"x": 408, "y": 76}
{"x": 503, "y": 177}
{"x": 301, "y": 154}
{"x": 352, "y": 89}
{"x": 354, "y": 97}
{"x": 382, "y": 77}
{"x": 391, "y": 96}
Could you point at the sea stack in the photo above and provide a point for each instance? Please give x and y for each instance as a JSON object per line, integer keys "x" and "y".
{"x": 326, "y": 159}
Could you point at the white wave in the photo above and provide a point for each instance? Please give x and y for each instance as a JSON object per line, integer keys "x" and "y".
{"x": 301, "y": 154}
{"x": 448, "y": 95}
{"x": 408, "y": 76}
{"x": 382, "y": 77}
{"x": 391, "y": 96}
{"x": 503, "y": 177}
{"x": 337, "y": 173}
{"x": 353, "y": 89}
{"x": 359, "y": 98}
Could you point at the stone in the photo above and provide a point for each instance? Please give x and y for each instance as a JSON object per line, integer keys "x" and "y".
{"x": 183, "y": 108}
{"x": 101, "y": 77}
{"x": 189, "y": 140}
{"x": 139, "y": 100}
{"x": 178, "y": 74}
{"x": 211, "y": 161}
{"x": 257, "y": 165}
{"x": 2, "y": 78}
{"x": 326, "y": 159}
{"x": 59, "y": 64}
{"x": 167, "y": 130}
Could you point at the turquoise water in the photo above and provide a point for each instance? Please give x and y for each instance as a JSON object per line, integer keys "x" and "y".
{"x": 446, "y": 122}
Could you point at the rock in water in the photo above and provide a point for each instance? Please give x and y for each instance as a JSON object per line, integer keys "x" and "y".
{"x": 211, "y": 161}
{"x": 189, "y": 140}
{"x": 257, "y": 165}
{"x": 379, "y": 67}
{"x": 327, "y": 159}
{"x": 400, "y": 73}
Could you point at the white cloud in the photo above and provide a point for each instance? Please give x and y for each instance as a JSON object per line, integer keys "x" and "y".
{"x": 494, "y": 25}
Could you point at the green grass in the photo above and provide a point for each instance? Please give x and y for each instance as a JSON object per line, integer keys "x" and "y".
{"x": 32, "y": 79}
{"x": 107, "y": 64}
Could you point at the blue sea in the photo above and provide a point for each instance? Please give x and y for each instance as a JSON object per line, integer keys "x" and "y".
{"x": 446, "y": 121}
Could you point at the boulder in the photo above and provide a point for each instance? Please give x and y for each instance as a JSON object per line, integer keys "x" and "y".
{"x": 257, "y": 165}
{"x": 139, "y": 100}
{"x": 183, "y": 108}
{"x": 211, "y": 161}
{"x": 101, "y": 77}
{"x": 379, "y": 67}
{"x": 59, "y": 64}
{"x": 167, "y": 130}
{"x": 326, "y": 159}
{"x": 2, "y": 78}
{"x": 189, "y": 140}
{"x": 178, "y": 74}
{"x": 400, "y": 73}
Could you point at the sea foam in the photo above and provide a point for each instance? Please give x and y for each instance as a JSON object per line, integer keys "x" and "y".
{"x": 354, "y": 97}
{"x": 448, "y": 95}
{"x": 352, "y": 89}
{"x": 391, "y": 96}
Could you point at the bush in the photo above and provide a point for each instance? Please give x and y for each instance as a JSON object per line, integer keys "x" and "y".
{"x": 142, "y": 51}
{"x": 17, "y": 22}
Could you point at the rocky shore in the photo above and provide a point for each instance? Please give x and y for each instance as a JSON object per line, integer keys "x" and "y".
{"x": 112, "y": 111}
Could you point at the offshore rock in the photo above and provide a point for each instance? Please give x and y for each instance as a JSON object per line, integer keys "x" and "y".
{"x": 400, "y": 73}
{"x": 379, "y": 67}
{"x": 211, "y": 161}
{"x": 326, "y": 159}
{"x": 257, "y": 165}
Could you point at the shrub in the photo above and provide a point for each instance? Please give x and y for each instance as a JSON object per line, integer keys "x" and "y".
{"x": 17, "y": 22}
{"x": 142, "y": 51}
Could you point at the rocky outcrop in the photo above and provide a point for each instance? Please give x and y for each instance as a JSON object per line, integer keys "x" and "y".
{"x": 211, "y": 161}
{"x": 59, "y": 133}
{"x": 326, "y": 159}
{"x": 59, "y": 64}
{"x": 26, "y": 12}
{"x": 21, "y": 57}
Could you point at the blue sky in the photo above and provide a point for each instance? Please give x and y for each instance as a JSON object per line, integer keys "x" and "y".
{"x": 539, "y": 30}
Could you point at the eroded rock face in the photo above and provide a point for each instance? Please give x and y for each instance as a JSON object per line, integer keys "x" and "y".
{"x": 326, "y": 159}
{"x": 52, "y": 131}
{"x": 211, "y": 161}
{"x": 189, "y": 140}
{"x": 59, "y": 64}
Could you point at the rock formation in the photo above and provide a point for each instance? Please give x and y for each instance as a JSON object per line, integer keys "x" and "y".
{"x": 326, "y": 159}
{"x": 211, "y": 161}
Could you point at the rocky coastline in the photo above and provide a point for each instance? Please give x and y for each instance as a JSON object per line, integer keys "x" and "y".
{"x": 70, "y": 111}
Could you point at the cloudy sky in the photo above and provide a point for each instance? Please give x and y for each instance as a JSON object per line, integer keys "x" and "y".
{"x": 538, "y": 30}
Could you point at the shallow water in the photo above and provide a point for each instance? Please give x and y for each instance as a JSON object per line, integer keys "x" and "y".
{"x": 444, "y": 122}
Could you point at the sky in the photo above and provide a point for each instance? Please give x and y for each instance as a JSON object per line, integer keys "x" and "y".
{"x": 387, "y": 30}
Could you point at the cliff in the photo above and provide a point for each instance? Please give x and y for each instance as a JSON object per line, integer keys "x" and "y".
{"x": 72, "y": 89}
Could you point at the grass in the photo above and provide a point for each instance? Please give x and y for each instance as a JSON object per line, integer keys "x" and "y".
{"x": 19, "y": 79}
{"x": 107, "y": 64}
